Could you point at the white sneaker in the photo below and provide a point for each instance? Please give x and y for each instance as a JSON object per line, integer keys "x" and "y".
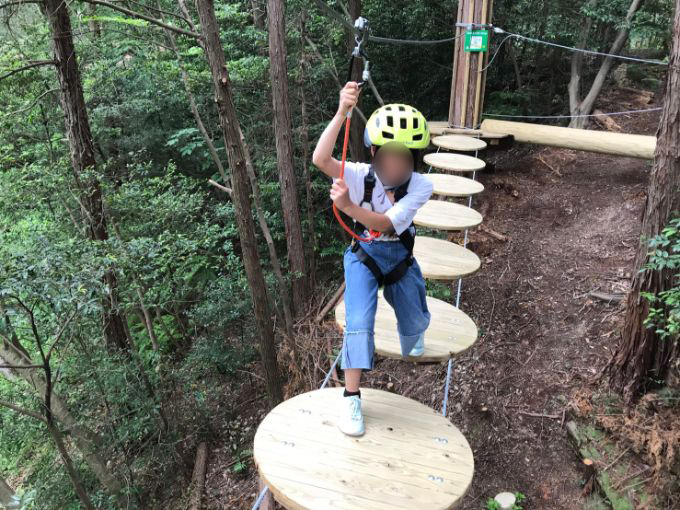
{"x": 419, "y": 347}
{"x": 351, "y": 421}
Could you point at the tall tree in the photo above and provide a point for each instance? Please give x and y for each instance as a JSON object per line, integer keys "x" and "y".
{"x": 642, "y": 355}
{"x": 236, "y": 153}
{"x": 578, "y": 106}
{"x": 284, "y": 151}
{"x": 83, "y": 162}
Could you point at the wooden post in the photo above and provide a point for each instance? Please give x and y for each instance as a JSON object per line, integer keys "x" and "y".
{"x": 468, "y": 82}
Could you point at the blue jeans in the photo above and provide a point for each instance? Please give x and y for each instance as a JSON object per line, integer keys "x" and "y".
{"x": 407, "y": 297}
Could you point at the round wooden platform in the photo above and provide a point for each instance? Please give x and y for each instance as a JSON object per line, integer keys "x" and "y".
{"x": 451, "y": 331}
{"x": 454, "y": 185}
{"x": 459, "y": 143}
{"x": 453, "y": 162}
{"x": 443, "y": 260}
{"x": 444, "y": 215}
{"x": 410, "y": 456}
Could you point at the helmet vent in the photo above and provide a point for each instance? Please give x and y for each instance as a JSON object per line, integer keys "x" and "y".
{"x": 419, "y": 136}
{"x": 401, "y": 108}
{"x": 388, "y": 135}
{"x": 390, "y": 121}
{"x": 402, "y": 123}
{"x": 415, "y": 122}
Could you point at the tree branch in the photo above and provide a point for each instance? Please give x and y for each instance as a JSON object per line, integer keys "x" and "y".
{"x": 19, "y": 2}
{"x": 23, "y": 411}
{"x": 37, "y": 63}
{"x": 144, "y": 17}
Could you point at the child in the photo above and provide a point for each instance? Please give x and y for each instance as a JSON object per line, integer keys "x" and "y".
{"x": 396, "y": 135}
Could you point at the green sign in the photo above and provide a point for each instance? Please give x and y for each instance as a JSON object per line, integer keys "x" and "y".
{"x": 476, "y": 40}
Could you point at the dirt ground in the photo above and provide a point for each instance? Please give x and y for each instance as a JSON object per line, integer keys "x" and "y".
{"x": 572, "y": 223}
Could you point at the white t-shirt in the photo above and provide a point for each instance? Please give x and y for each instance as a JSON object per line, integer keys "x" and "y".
{"x": 401, "y": 213}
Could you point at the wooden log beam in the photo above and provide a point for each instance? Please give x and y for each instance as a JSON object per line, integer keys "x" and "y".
{"x": 618, "y": 144}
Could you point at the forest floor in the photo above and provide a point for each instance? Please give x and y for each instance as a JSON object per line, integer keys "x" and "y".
{"x": 572, "y": 220}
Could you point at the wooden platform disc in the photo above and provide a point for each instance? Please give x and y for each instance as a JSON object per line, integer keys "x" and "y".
{"x": 453, "y": 162}
{"x": 459, "y": 143}
{"x": 410, "y": 456}
{"x": 454, "y": 185}
{"x": 451, "y": 331}
{"x": 437, "y": 127}
{"x": 444, "y": 215}
{"x": 477, "y": 133}
{"x": 443, "y": 260}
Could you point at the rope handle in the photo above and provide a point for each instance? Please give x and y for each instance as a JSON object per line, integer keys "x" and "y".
{"x": 372, "y": 233}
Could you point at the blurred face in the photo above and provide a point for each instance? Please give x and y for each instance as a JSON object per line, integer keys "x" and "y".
{"x": 393, "y": 163}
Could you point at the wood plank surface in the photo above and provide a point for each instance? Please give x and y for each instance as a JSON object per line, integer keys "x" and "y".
{"x": 444, "y": 215}
{"x": 410, "y": 456}
{"x": 454, "y": 185}
{"x": 459, "y": 143}
{"x": 450, "y": 332}
{"x": 444, "y": 260}
{"x": 453, "y": 162}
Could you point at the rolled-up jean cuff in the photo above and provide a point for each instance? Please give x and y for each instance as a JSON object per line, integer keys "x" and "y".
{"x": 408, "y": 342}
{"x": 357, "y": 351}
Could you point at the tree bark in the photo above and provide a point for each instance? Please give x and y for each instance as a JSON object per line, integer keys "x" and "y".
{"x": 82, "y": 157}
{"x": 237, "y": 162}
{"x": 356, "y": 129}
{"x": 198, "y": 477}
{"x": 7, "y": 498}
{"x": 306, "y": 171}
{"x": 258, "y": 13}
{"x": 284, "y": 152}
{"x": 643, "y": 358}
{"x": 585, "y": 107}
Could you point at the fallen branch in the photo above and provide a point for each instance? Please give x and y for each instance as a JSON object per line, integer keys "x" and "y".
{"x": 493, "y": 233}
{"x": 552, "y": 168}
{"x": 603, "y": 296}
{"x": 540, "y": 415}
{"x": 606, "y": 121}
{"x": 198, "y": 478}
{"x": 334, "y": 300}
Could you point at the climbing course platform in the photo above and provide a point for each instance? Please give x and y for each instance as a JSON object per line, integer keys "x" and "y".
{"x": 454, "y": 185}
{"x": 459, "y": 143}
{"x": 443, "y": 260}
{"x": 454, "y": 162}
{"x": 410, "y": 456}
{"x": 444, "y": 215}
{"x": 451, "y": 331}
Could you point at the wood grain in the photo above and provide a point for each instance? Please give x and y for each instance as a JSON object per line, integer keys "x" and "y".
{"x": 450, "y": 332}
{"x": 454, "y": 162}
{"x": 459, "y": 143}
{"x": 454, "y": 185}
{"x": 444, "y": 215}
{"x": 620, "y": 144}
{"x": 443, "y": 260}
{"x": 410, "y": 456}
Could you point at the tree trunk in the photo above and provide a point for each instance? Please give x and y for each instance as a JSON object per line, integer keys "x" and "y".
{"x": 306, "y": 171}
{"x": 585, "y": 107}
{"x": 82, "y": 157}
{"x": 8, "y": 500}
{"x": 68, "y": 465}
{"x": 241, "y": 194}
{"x": 258, "y": 13}
{"x": 356, "y": 129}
{"x": 85, "y": 440}
{"x": 642, "y": 357}
{"x": 284, "y": 153}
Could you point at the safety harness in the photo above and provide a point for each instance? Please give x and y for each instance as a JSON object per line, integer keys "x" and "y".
{"x": 406, "y": 237}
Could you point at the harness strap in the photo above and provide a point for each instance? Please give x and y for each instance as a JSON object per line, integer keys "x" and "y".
{"x": 393, "y": 276}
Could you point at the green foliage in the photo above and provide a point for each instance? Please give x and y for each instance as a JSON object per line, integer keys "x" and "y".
{"x": 664, "y": 255}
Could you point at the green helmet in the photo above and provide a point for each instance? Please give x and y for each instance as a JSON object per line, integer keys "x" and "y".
{"x": 397, "y": 123}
